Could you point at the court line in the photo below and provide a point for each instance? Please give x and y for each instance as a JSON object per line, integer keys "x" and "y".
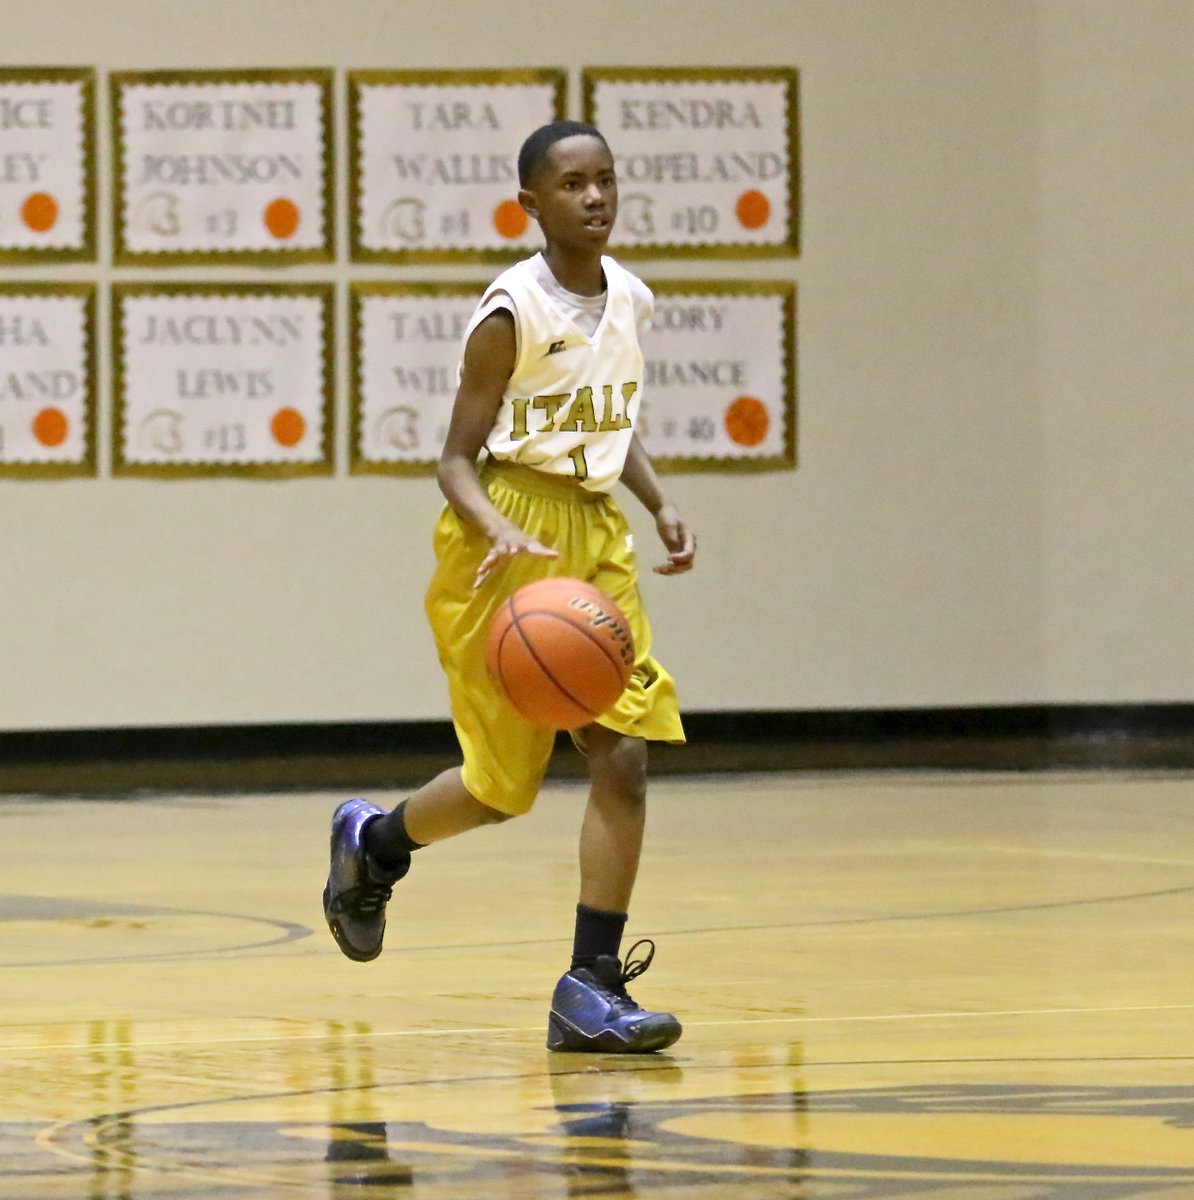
{"x": 822, "y": 923}
{"x": 952, "y": 1015}
{"x": 291, "y": 931}
{"x": 828, "y": 922}
{"x": 1037, "y": 852}
{"x": 295, "y": 932}
{"x": 370, "y": 1035}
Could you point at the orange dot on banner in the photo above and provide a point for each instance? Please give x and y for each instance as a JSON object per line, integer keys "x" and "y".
{"x": 753, "y": 209}
{"x": 747, "y": 421}
{"x": 509, "y": 219}
{"x": 40, "y": 212}
{"x": 282, "y": 217}
{"x": 288, "y": 426}
{"x": 50, "y": 427}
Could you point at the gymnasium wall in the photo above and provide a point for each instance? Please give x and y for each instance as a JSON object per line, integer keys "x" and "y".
{"x": 1116, "y": 320}
{"x": 993, "y": 494}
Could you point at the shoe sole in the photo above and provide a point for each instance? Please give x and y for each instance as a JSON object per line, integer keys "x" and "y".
{"x": 346, "y": 947}
{"x": 562, "y": 1036}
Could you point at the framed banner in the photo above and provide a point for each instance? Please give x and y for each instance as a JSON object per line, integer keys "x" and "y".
{"x": 406, "y": 345}
{"x": 433, "y": 162}
{"x": 47, "y": 164}
{"x": 707, "y": 158}
{"x": 47, "y": 380}
{"x": 719, "y": 385}
{"x": 222, "y": 379}
{"x": 222, "y": 166}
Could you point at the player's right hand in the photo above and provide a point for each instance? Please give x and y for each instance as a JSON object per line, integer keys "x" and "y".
{"x": 505, "y": 546}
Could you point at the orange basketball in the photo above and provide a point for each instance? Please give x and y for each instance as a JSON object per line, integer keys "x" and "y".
{"x": 562, "y": 652}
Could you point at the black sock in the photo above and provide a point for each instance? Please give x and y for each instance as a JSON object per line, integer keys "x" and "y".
{"x": 387, "y": 842}
{"x": 597, "y": 933}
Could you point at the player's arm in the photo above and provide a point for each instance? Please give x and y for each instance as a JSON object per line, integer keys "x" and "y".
{"x": 639, "y": 476}
{"x": 488, "y": 364}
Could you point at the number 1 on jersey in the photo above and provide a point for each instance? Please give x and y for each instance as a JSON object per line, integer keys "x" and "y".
{"x": 577, "y": 454}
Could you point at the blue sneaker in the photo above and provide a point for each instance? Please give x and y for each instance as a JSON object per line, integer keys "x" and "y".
{"x": 591, "y": 1010}
{"x": 354, "y": 901}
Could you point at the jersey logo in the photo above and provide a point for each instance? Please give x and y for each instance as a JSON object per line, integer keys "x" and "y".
{"x": 554, "y": 348}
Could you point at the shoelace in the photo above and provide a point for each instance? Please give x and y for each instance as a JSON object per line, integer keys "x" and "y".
{"x": 366, "y": 899}
{"x": 632, "y": 970}
{"x": 635, "y": 967}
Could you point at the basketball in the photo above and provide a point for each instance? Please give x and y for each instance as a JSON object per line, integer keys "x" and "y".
{"x": 562, "y": 652}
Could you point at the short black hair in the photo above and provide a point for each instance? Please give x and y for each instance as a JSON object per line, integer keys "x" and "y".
{"x": 534, "y": 150}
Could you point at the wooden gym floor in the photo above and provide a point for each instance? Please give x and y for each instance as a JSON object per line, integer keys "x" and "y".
{"x": 941, "y": 987}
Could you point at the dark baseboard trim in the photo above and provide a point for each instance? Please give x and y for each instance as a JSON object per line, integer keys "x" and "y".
{"x": 380, "y": 754}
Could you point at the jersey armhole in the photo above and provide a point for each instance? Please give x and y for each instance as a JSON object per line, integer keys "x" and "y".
{"x": 497, "y": 302}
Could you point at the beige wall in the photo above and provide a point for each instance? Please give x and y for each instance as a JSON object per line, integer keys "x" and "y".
{"x": 994, "y": 369}
{"x": 1116, "y": 319}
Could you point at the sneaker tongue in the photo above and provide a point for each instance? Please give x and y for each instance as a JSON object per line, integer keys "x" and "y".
{"x": 385, "y": 875}
{"x": 609, "y": 971}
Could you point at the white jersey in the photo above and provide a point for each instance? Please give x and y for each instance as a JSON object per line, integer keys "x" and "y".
{"x": 573, "y": 397}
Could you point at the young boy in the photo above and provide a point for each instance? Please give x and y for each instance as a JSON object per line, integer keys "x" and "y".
{"x": 549, "y": 389}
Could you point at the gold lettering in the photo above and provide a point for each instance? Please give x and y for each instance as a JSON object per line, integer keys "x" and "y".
{"x": 628, "y": 390}
{"x": 607, "y": 416}
{"x": 581, "y": 417}
{"x": 550, "y": 405}
{"x": 520, "y": 407}
{"x": 611, "y": 419}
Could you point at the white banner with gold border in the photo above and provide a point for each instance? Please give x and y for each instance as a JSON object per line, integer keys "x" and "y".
{"x": 47, "y": 379}
{"x": 47, "y": 167}
{"x": 719, "y": 385}
{"x": 434, "y": 161}
{"x": 223, "y": 166}
{"x": 707, "y": 158}
{"x": 407, "y": 341}
{"x": 220, "y": 379}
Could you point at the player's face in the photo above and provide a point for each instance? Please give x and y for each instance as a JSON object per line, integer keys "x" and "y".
{"x": 574, "y": 194}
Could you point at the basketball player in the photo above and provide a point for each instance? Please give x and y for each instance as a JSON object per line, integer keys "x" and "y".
{"x": 550, "y": 386}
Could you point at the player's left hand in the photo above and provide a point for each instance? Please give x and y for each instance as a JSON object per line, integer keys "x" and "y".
{"x": 679, "y": 540}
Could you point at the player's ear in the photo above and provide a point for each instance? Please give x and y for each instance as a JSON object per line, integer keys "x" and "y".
{"x": 529, "y": 204}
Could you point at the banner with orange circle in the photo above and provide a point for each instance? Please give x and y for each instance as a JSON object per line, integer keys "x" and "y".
{"x": 719, "y": 380}
{"x": 47, "y": 379}
{"x": 214, "y": 166}
{"x": 433, "y": 161}
{"x": 222, "y": 379}
{"x": 47, "y": 153}
{"x": 707, "y": 158}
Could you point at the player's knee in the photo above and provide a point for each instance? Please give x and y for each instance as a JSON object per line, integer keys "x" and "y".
{"x": 493, "y": 816}
{"x": 632, "y": 781}
{"x": 501, "y": 795}
{"x": 620, "y": 765}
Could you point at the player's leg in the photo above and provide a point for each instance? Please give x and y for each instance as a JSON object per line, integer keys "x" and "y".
{"x": 371, "y": 852}
{"x": 591, "y": 1009}
{"x": 504, "y": 762}
{"x": 504, "y": 757}
{"x": 440, "y": 809}
{"x": 611, "y": 835}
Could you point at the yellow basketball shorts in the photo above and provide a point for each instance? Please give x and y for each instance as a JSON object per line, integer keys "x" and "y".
{"x": 505, "y": 755}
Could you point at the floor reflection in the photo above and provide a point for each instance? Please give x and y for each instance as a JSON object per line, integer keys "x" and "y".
{"x": 112, "y": 1074}
{"x": 616, "y": 1140}
{"x": 358, "y": 1154}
